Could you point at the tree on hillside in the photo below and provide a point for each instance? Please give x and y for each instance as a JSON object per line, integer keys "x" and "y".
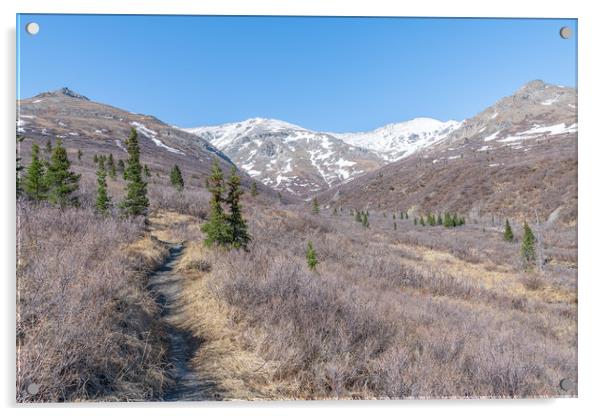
{"x": 121, "y": 167}
{"x": 422, "y": 221}
{"x": 103, "y": 201}
{"x": 135, "y": 202}
{"x": 365, "y": 222}
{"x": 439, "y": 219}
{"x": 239, "y": 237}
{"x": 95, "y": 159}
{"x": 315, "y": 207}
{"x": 34, "y": 184}
{"x": 447, "y": 220}
{"x": 147, "y": 171}
{"x": 528, "y": 246}
{"x": 254, "y": 189}
{"x": 508, "y": 234}
{"x": 216, "y": 228}
{"x": 48, "y": 148}
{"x": 79, "y": 155}
{"x": 310, "y": 255}
{"x": 176, "y": 179}
{"x": 358, "y": 216}
{"x": 61, "y": 182}
{"x": 111, "y": 167}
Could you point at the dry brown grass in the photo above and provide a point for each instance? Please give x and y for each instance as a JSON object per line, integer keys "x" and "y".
{"x": 378, "y": 318}
{"x": 86, "y": 327}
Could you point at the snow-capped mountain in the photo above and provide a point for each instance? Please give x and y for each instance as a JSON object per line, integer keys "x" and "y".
{"x": 288, "y": 157}
{"x": 398, "y": 140}
{"x": 285, "y": 156}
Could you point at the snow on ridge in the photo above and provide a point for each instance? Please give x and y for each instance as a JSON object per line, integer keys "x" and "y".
{"x": 151, "y": 134}
{"x": 538, "y": 131}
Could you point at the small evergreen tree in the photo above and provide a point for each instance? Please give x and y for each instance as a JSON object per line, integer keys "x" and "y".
{"x": 61, "y": 182}
{"x": 508, "y": 234}
{"x": 103, "y": 200}
{"x": 334, "y": 211}
{"x": 79, "y": 155}
{"x": 365, "y": 222}
{"x": 447, "y": 220}
{"x": 34, "y": 184}
{"x": 358, "y": 216}
{"x": 175, "y": 177}
{"x": 395, "y": 225}
{"x": 422, "y": 221}
{"x": 216, "y": 228}
{"x": 135, "y": 202}
{"x": 48, "y": 148}
{"x": 315, "y": 207}
{"x": 310, "y": 255}
{"x": 95, "y": 158}
{"x": 254, "y": 189}
{"x": 439, "y": 219}
{"x": 239, "y": 238}
{"x": 111, "y": 167}
{"x": 455, "y": 222}
{"x": 528, "y": 246}
{"x": 415, "y": 221}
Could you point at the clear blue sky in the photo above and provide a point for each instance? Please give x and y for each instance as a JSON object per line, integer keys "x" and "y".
{"x": 332, "y": 74}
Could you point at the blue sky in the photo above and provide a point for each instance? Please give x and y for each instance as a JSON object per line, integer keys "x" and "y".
{"x": 329, "y": 74}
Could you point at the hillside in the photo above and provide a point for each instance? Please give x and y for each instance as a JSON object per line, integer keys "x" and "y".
{"x": 96, "y": 128}
{"x": 517, "y": 158}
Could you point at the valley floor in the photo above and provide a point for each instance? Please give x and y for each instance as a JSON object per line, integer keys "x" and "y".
{"x": 390, "y": 312}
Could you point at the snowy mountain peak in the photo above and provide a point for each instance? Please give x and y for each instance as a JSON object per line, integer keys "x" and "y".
{"x": 398, "y": 140}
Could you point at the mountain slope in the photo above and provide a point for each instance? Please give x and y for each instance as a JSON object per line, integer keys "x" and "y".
{"x": 99, "y": 128}
{"x": 396, "y": 141}
{"x": 288, "y": 157}
{"x": 517, "y": 158}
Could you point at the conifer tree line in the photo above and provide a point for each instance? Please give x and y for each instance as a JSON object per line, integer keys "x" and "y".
{"x": 49, "y": 178}
{"x": 225, "y": 229}
{"x": 447, "y": 220}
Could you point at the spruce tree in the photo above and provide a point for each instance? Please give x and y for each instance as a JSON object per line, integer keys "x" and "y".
{"x": 528, "y": 246}
{"x": 447, "y": 220}
{"x": 111, "y": 167}
{"x": 103, "y": 201}
{"x": 439, "y": 220}
{"x": 216, "y": 228}
{"x": 365, "y": 222}
{"x": 358, "y": 216}
{"x": 48, "y": 148}
{"x": 121, "y": 166}
{"x": 239, "y": 237}
{"x": 455, "y": 222}
{"x": 395, "y": 225}
{"x": 315, "y": 207}
{"x": 147, "y": 171}
{"x": 79, "y": 155}
{"x": 175, "y": 177}
{"x": 334, "y": 211}
{"x": 95, "y": 159}
{"x": 310, "y": 255}
{"x": 422, "y": 221}
{"x": 34, "y": 184}
{"x": 508, "y": 234}
{"x": 135, "y": 202}
{"x": 61, "y": 182}
{"x": 254, "y": 189}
